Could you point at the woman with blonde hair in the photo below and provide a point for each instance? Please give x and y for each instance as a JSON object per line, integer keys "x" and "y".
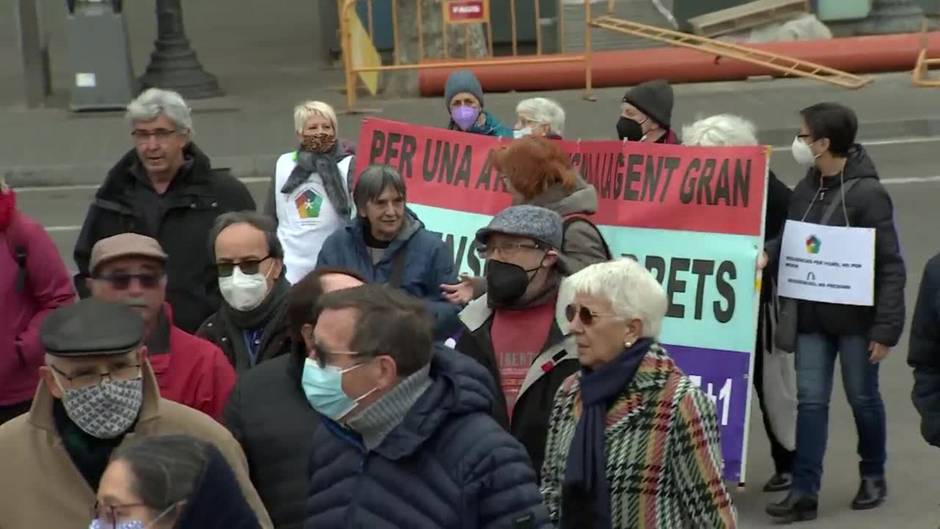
{"x": 632, "y": 442}
{"x": 310, "y": 193}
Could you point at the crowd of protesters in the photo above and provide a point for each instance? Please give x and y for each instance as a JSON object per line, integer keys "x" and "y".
{"x": 321, "y": 364}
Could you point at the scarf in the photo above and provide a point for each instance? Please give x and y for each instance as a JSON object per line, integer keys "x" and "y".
{"x": 585, "y": 480}
{"x": 324, "y": 164}
{"x": 269, "y": 314}
{"x": 384, "y": 415}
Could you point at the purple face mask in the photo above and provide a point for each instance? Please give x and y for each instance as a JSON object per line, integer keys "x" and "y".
{"x": 465, "y": 116}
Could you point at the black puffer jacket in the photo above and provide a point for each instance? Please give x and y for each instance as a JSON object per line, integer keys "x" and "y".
{"x": 868, "y": 205}
{"x": 269, "y": 415}
{"x": 924, "y": 352}
{"x": 180, "y": 220}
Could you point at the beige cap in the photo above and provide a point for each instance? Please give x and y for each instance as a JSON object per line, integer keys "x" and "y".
{"x": 125, "y": 245}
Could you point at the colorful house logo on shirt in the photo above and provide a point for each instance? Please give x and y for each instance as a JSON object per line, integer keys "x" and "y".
{"x": 308, "y": 204}
{"x": 813, "y": 244}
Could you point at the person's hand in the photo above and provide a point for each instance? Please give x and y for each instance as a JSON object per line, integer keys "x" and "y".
{"x": 460, "y": 293}
{"x": 762, "y": 260}
{"x": 878, "y": 352}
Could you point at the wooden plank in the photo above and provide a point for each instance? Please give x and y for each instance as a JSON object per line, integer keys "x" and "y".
{"x": 746, "y": 16}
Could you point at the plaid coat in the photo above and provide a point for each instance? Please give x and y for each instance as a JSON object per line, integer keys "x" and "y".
{"x": 664, "y": 459}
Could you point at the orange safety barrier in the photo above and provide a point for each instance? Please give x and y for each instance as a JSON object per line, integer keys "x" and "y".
{"x": 362, "y": 61}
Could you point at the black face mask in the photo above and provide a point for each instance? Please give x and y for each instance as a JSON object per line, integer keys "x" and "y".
{"x": 506, "y": 283}
{"x": 629, "y": 129}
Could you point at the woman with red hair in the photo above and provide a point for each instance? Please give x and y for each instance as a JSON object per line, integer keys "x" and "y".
{"x": 536, "y": 171}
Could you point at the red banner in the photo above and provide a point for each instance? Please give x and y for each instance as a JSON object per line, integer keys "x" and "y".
{"x": 708, "y": 189}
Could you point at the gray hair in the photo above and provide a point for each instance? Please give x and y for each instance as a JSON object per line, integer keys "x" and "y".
{"x": 373, "y": 181}
{"x": 257, "y": 220}
{"x": 723, "y": 130}
{"x": 544, "y": 111}
{"x": 153, "y": 102}
{"x": 632, "y": 291}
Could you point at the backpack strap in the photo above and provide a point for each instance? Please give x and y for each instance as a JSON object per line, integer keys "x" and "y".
{"x": 398, "y": 267}
{"x": 846, "y": 187}
{"x": 18, "y": 250}
{"x": 579, "y": 217}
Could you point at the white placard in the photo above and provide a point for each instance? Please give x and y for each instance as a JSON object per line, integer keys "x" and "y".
{"x": 85, "y": 80}
{"x": 831, "y": 264}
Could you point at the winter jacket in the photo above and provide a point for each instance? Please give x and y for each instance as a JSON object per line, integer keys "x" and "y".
{"x": 428, "y": 264}
{"x": 180, "y": 220}
{"x": 582, "y": 244}
{"x": 32, "y": 441}
{"x": 491, "y": 127}
{"x": 274, "y": 342}
{"x": 557, "y": 361}
{"x": 193, "y": 371}
{"x": 663, "y": 452}
{"x": 46, "y": 286}
{"x": 868, "y": 206}
{"x": 269, "y": 415}
{"x": 448, "y": 465}
{"x": 924, "y": 352}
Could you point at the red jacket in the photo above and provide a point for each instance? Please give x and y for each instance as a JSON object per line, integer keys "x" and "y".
{"x": 46, "y": 286}
{"x": 194, "y": 372}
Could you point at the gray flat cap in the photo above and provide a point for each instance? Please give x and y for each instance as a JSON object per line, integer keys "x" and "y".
{"x": 92, "y": 327}
{"x": 540, "y": 224}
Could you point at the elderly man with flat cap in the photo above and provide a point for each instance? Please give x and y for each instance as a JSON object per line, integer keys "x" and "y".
{"x": 131, "y": 269}
{"x": 97, "y": 391}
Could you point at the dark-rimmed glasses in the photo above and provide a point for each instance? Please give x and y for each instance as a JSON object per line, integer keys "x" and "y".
{"x": 248, "y": 267}
{"x": 586, "y": 315}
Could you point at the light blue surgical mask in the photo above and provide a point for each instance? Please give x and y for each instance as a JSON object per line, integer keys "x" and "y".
{"x": 323, "y": 387}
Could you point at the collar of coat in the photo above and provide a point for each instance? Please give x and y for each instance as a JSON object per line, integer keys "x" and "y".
{"x": 652, "y": 374}
{"x": 40, "y": 414}
{"x": 195, "y": 173}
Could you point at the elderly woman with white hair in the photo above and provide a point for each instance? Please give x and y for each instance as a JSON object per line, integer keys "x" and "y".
{"x": 539, "y": 116}
{"x": 310, "y": 193}
{"x": 610, "y": 461}
{"x": 774, "y": 373}
{"x": 165, "y": 188}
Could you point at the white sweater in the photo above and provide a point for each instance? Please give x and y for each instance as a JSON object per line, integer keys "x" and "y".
{"x": 305, "y": 217}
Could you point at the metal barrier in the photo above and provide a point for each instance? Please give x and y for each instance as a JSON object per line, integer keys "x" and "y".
{"x": 362, "y": 61}
{"x": 920, "y": 76}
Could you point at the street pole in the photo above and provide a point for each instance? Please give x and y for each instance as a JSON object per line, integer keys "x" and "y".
{"x": 35, "y": 59}
{"x": 892, "y": 16}
{"x": 173, "y": 64}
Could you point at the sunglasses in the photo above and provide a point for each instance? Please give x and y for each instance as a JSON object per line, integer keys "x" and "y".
{"x": 584, "y": 314}
{"x": 123, "y": 281}
{"x": 249, "y": 267}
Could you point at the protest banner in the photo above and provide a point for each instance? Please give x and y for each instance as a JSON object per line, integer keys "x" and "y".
{"x": 692, "y": 215}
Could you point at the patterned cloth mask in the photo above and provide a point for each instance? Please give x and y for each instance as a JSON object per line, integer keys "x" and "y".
{"x": 321, "y": 143}
{"x": 106, "y": 410}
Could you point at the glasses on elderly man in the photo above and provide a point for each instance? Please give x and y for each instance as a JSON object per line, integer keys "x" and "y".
{"x": 143, "y": 136}
{"x": 586, "y": 315}
{"x": 122, "y": 281}
{"x": 119, "y": 373}
{"x": 248, "y": 267}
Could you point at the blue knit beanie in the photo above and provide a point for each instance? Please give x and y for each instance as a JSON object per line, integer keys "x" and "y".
{"x": 462, "y": 81}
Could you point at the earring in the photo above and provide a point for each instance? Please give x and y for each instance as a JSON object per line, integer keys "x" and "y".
{"x": 628, "y": 344}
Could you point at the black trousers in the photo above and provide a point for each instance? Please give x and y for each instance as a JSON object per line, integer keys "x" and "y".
{"x": 14, "y": 410}
{"x": 783, "y": 458}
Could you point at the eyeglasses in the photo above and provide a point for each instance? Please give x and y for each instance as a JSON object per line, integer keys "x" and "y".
{"x": 586, "y": 315}
{"x": 119, "y": 373}
{"x": 321, "y": 355}
{"x": 248, "y": 267}
{"x": 143, "y": 136}
{"x": 122, "y": 281}
{"x": 106, "y": 516}
{"x": 507, "y": 249}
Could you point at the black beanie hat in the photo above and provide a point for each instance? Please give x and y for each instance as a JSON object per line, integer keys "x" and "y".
{"x": 653, "y": 98}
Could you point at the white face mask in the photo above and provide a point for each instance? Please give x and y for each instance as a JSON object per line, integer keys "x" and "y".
{"x": 243, "y": 291}
{"x": 802, "y": 153}
{"x": 521, "y": 133}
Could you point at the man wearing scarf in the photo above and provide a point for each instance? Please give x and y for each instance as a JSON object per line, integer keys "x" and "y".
{"x": 309, "y": 196}
{"x": 251, "y": 326}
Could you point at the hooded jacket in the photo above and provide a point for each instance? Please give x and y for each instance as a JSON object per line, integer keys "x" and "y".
{"x": 491, "y": 127}
{"x": 447, "y": 465}
{"x": 428, "y": 264}
{"x": 47, "y": 286}
{"x": 179, "y": 220}
{"x": 868, "y": 206}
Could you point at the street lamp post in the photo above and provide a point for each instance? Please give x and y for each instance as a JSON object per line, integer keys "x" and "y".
{"x": 892, "y": 16}
{"x": 173, "y": 63}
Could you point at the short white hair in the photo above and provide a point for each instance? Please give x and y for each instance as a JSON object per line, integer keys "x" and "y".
{"x": 543, "y": 111}
{"x": 308, "y": 109}
{"x": 154, "y": 101}
{"x": 723, "y": 130}
{"x": 633, "y": 292}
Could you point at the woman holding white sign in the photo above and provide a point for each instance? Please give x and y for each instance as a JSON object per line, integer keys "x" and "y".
{"x": 841, "y": 281}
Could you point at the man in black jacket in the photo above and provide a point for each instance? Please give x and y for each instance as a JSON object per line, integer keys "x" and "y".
{"x": 924, "y": 352}
{"x": 268, "y": 412}
{"x": 165, "y": 188}
{"x": 842, "y": 184}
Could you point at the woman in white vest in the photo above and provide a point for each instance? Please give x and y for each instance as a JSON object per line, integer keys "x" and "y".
{"x": 309, "y": 197}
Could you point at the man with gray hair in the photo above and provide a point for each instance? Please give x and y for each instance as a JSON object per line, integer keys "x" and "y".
{"x": 388, "y": 244}
{"x": 165, "y": 188}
